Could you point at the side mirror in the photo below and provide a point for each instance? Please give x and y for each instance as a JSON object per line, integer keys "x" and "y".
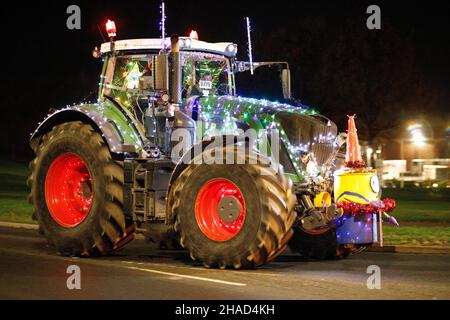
{"x": 286, "y": 83}
{"x": 160, "y": 72}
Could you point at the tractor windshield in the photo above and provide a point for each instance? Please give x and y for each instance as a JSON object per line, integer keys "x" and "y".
{"x": 205, "y": 74}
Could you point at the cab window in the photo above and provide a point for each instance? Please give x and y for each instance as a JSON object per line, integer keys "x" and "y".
{"x": 128, "y": 78}
{"x": 205, "y": 74}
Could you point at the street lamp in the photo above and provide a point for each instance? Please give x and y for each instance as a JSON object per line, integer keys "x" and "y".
{"x": 418, "y": 136}
{"x": 416, "y": 133}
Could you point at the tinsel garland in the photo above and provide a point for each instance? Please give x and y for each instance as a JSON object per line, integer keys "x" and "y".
{"x": 379, "y": 206}
{"x": 358, "y": 164}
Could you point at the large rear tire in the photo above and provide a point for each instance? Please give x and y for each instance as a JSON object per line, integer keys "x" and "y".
{"x": 257, "y": 225}
{"x": 76, "y": 189}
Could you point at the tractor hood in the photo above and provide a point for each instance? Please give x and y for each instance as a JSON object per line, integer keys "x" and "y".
{"x": 303, "y": 130}
{"x": 257, "y": 112}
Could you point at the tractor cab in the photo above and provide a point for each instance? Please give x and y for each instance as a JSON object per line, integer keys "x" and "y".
{"x": 205, "y": 68}
{"x": 149, "y": 78}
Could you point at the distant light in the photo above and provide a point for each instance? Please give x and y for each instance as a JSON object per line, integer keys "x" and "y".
{"x": 193, "y": 35}
{"x": 111, "y": 28}
{"x": 417, "y": 137}
{"x": 435, "y": 185}
{"x": 416, "y": 132}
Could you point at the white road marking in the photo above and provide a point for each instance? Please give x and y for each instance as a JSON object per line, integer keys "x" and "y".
{"x": 246, "y": 272}
{"x": 96, "y": 263}
{"x": 34, "y": 226}
{"x": 188, "y": 277}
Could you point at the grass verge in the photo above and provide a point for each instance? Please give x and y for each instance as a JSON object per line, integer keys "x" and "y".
{"x": 13, "y": 193}
{"x": 417, "y": 236}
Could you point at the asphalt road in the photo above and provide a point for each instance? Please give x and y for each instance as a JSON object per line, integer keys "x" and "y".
{"x": 30, "y": 270}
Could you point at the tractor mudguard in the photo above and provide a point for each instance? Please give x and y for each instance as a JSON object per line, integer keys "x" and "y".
{"x": 118, "y": 131}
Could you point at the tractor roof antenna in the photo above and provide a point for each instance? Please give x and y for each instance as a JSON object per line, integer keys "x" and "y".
{"x": 250, "y": 54}
{"x": 162, "y": 25}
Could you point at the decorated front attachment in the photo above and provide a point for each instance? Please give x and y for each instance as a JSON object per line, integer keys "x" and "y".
{"x": 357, "y": 192}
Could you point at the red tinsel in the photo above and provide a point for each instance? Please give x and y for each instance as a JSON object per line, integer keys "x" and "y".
{"x": 355, "y": 209}
{"x": 358, "y": 164}
{"x": 389, "y": 205}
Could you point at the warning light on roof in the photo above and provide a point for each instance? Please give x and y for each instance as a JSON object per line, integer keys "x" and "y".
{"x": 111, "y": 28}
{"x": 193, "y": 35}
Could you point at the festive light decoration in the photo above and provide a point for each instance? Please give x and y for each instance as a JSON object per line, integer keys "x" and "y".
{"x": 132, "y": 77}
{"x": 250, "y": 54}
{"x": 162, "y": 23}
{"x": 357, "y": 229}
{"x": 380, "y": 206}
{"x": 103, "y": 114}
{"x": 221, "y": 113}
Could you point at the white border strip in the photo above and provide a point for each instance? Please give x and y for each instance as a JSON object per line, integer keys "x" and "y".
{"x": 18, "y": 225}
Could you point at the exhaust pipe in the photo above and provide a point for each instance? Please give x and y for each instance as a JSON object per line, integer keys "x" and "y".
{"x": 175, "y": 70}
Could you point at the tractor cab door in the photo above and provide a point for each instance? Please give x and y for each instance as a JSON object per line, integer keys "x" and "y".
{"x": 130, "y": 81}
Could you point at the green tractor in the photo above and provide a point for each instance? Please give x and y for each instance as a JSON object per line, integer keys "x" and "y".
{"x": 166, "y": 151}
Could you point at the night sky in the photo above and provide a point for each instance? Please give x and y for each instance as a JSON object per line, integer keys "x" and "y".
{"x": 45, "y": 65}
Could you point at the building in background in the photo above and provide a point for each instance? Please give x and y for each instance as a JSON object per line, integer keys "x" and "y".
{"x": 418, "y": 152}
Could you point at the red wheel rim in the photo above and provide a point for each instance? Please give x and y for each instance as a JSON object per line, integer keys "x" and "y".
{"x": 220, "y": 209}
{"x": 68, "y": 190}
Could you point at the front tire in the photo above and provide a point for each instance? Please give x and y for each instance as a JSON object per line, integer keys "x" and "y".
{"x": 76, "y": 189}
{"x": 320, "y": 244}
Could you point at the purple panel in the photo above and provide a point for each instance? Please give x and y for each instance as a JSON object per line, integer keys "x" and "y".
{"x": 358, "y": 230}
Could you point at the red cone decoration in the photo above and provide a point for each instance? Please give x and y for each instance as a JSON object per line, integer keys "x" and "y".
{"x": 353, "y": 157}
